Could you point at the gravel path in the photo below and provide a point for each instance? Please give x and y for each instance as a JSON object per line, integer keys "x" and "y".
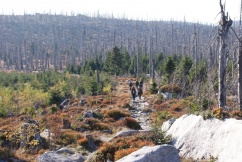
{"x": 141, "y": 113}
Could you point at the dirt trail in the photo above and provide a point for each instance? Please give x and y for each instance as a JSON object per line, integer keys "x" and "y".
{"x": 141, "y": 108}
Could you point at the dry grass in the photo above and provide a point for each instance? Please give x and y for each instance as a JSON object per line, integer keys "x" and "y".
{"x": 131, "y": 123}
{"x": 68, "y": 137}
{"x": 115, "y": 113}
{"x": 171, "y": 88}
{"x": 122, "y": 153}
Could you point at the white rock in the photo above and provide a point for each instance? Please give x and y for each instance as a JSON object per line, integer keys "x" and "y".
{"x": 159, "y": 153}
{"x": 45, "y": 134}
{"x": 200, "y": 139}
{"x": 166, "y": 125}
{"x": 62, "y": 155}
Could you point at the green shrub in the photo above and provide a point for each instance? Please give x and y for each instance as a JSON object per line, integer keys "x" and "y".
{"x": 163, "y": 115}
{"x": 29, "y": 111}
{"x": 53, "y": 109}
{"x": 153, "y": 89}
{"x": 206, "y": 103}
{"x": 159, "y": 137}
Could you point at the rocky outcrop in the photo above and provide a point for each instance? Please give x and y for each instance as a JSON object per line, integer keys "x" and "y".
{"x": 61, "y": 155}
{"x": 159, "y": 153}
{"x": 91, "y": 144}
{"x": 197, "y": 138}
{"x": 166, "y": 125}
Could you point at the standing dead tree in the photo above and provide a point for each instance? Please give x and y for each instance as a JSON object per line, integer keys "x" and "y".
{"x": 240, "y": 65}
{"x": 240, "y": 75}
{"x": 224, "y": 25}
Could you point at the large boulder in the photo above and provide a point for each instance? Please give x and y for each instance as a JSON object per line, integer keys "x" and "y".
{"x": 166, "y": 125}
{"x": 197, "y": 138}
{"x": 159, "y": 153}
{"x": 61, "y": 155}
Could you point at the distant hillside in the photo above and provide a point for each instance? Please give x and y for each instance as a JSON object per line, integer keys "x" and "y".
{"x": 41, "y": 41}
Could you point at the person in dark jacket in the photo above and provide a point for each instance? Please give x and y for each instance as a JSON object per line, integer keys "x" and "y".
{"x": 141, "y": 84}
{"x": 140, "y": 92}
{"x": 130, "y": 83}
{"x": 133, "y": 92}
{"x": 137, "y": 83}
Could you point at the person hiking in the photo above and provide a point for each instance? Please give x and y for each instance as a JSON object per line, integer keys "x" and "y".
{"x": 130, "y": 84}
{"x": 140, "y": 92}
{"x": 137, "y": 83}
{"x": 141, "y": 84}
{"x": 133, "y": 92}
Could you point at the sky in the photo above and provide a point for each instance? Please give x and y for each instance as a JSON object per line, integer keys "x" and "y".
{"x": 202, "y": 11}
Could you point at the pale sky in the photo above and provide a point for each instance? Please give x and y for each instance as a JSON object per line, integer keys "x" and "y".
{"x": 203, "y": 11}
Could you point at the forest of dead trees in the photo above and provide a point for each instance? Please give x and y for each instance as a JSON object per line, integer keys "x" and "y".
{"x": 42, "y": 41}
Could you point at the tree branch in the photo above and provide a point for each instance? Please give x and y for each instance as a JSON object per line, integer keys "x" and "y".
{"x": 236, "y": 34}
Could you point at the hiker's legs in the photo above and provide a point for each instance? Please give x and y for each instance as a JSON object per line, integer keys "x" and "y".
{"x": 134, "y": 97}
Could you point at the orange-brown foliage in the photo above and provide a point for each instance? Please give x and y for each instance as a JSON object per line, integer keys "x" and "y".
{"x": 115, "y": 113}
{"x": 103, "y": 105}
{"x": 106, "y": 102}
{"x": 94, "y": 124}
{"x": 108, "y": 120}
{"x": 131, "y": 123}
{"x": 236, "y": 113}
{"x": 122, "y": 153}
{"x": 83, "y": 142}
{"x": 171, "y": 88}
{"x": 157, "y": 107}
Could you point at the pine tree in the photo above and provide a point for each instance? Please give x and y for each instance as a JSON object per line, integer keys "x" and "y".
{"x": 169, "y": 67}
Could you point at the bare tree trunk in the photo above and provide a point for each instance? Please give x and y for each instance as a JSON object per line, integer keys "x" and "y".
{"x": 240, "y": 75}
{"x": 240, "y": 64}
{"x": 223, "y": 33}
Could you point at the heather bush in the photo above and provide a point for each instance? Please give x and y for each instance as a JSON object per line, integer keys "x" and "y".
{"x": 68, "y": 137}
{"x": 94, "y": 124}
{"x": 83, "y": 142}
{"x": 115, "y": 113}
{"x": 122, "y": 153}
{"x": 107, "y": 151}
{"x": 131, "y": 123}
{"x": 121, "y": 147}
